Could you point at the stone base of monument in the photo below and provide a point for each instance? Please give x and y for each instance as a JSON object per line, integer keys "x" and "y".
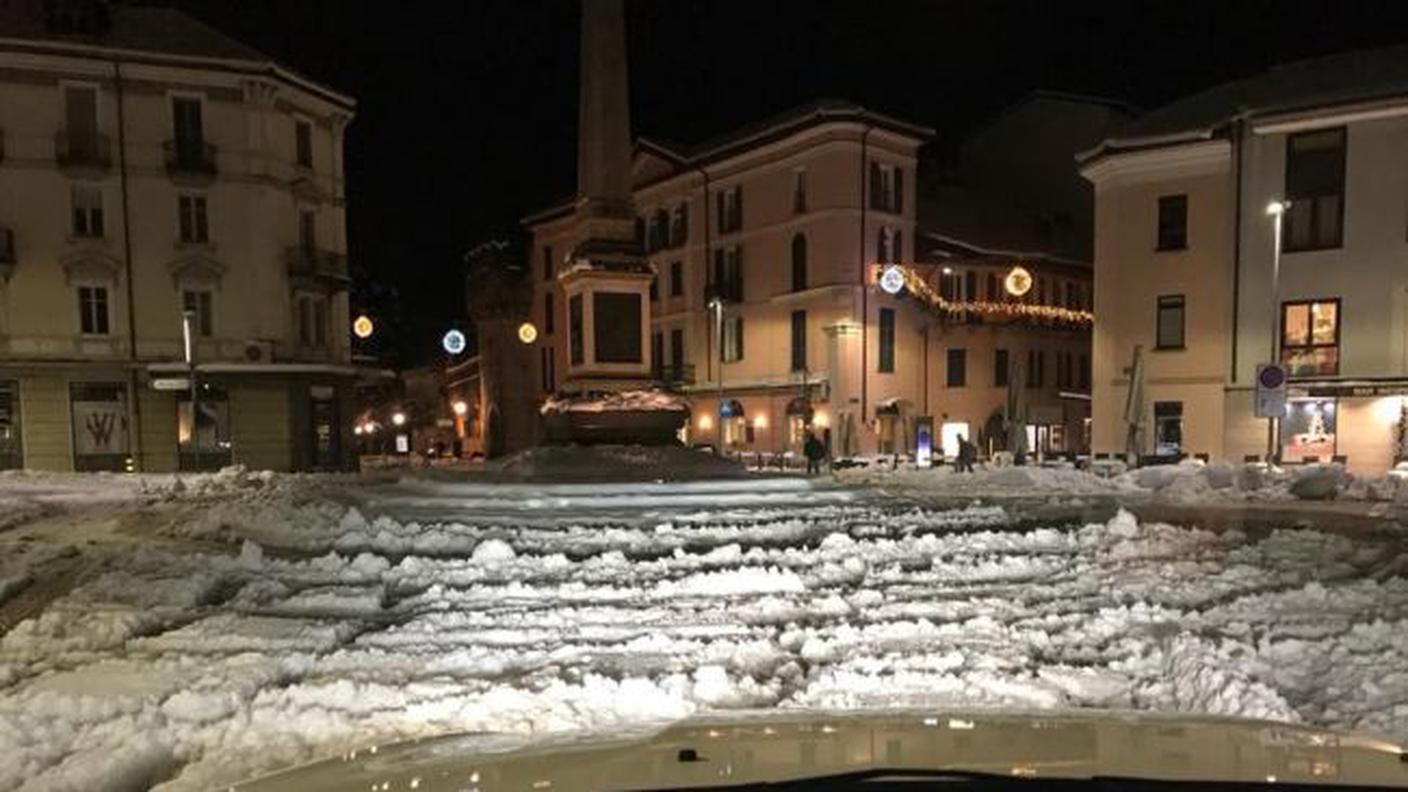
{"x": 639, "y": 417}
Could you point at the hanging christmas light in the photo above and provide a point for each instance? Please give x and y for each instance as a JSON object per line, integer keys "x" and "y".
{"x": 915, "y": 284}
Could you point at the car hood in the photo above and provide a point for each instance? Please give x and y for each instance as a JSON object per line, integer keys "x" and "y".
{"x": 747, "y": 748}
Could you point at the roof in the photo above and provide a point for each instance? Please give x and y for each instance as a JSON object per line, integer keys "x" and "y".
{"x": 957, "y": 222}
{"x": 788, "y": 122}
{"x": 1329, "y": 81}
{"x": 160, "y": 31}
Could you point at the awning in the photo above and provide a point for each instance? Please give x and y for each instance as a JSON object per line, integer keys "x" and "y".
{"x": 730, "y": 408}
{"x": 800, "y": 406}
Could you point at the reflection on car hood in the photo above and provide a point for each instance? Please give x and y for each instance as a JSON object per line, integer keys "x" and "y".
{"x": 748, "y": 748}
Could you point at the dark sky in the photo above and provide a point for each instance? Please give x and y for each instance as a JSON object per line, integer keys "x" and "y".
{"x": 467, "y": 108}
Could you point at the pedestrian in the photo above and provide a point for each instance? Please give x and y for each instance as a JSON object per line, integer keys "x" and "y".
{"x": 966, "y": 454}
{"x": 813, "y": 451}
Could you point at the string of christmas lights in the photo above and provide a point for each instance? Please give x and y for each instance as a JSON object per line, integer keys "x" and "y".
{"x": 915, "y": 284}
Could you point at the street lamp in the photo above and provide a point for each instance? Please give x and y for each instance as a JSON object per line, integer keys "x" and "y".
{"x": 398, "y": 418}
{"x": 1276, "y": 210}
{"x": 460, "y": 407}
{"x": 716, "y": 305}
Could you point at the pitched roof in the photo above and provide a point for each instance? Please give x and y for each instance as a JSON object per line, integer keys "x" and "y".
{"x": 1363, "y": 75}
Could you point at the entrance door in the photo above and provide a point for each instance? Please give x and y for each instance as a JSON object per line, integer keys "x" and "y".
{"x": 327, "y": 440}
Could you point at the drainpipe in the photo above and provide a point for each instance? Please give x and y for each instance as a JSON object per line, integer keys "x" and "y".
{"x": 864, "y": 290}
{"x": 127, "y": 270}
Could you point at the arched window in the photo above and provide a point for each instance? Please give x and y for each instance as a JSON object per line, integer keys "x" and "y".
{"x": 799, "y": 262}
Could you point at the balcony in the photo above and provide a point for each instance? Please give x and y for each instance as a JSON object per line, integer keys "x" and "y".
{"x": 315, "y": 267}
{"x": 7, "y": 252}
{"x": 189, "y": 159}
{"x": 672, "y": 374}
{"x": 84, "y": 153}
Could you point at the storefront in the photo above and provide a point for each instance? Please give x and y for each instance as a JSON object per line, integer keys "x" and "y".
{"x": 1362, "y": 424}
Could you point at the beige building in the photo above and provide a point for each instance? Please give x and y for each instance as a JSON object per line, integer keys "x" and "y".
{"x": 152, "y": 166}
{"x": 1185, "y": 249}
{"x": 789, "y": 223}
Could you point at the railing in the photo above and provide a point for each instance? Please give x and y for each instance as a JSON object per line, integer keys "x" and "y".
{"x": 189, "y": 158}
{"x": 316, "y": 264}
{"x": 672, "y": 374}
{"x": 86, "y": 150}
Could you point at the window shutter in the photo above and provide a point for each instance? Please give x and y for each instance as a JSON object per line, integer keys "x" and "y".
{"x": 737, "y": 207}
{"x": 740, "y": 338}
{"x": 874, "y": 184}
{"x": 899, "y": 190}
{"x": 722, "y": 223}
{"x": 738, "y": 273}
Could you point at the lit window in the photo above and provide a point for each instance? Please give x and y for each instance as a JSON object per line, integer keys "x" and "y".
{"x": 1310, "y": 333}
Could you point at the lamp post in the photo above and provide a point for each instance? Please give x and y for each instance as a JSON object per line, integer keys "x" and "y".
{"x": 716, "y": 305}
{"x": 1275, "y": 210}
{"x": 188, "y": 339}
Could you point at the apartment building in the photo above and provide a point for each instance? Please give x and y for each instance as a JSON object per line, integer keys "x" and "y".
{"x": 154, "y": 168}
{"x": 767, "y": 246}
{"x": 1188, "y": 202}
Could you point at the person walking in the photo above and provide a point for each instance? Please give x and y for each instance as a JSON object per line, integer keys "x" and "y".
{"x": 967, "y": 452}
{"x": 813, "y": 451}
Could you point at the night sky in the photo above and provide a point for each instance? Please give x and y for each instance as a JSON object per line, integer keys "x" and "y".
{"x": 467, "y": 109}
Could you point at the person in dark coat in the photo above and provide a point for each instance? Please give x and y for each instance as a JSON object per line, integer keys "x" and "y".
{"x": 967, "y": 452}
{"x": 813, "y": 450}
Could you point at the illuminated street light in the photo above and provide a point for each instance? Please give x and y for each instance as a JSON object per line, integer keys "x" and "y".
{"x": 527, "y": 333}
{"x": 362, "y": 326}
{"x": 1018, "y": 281}
{"x": 453, "y": 342}
{"x": 1276, "y": 208}
{"x": 460, "y": 407}
{"x": 356, "y": 430}
{"x": 398, "y": 418}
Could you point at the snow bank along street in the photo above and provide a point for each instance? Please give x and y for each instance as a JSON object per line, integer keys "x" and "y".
{"x": 241, "y": 623}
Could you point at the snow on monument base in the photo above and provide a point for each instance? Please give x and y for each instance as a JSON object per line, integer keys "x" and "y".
{"x": 613, "y": 463}
{"x": 635, "y": 417}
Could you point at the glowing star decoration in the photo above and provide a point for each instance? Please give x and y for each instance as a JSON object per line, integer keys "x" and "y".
{"x": 1018, "y": 281}
{"x": 527, "y": 333}
{"x": 892, "y": 279}
{"x": 453, "y": 342}
{"x": 362, "y": 326}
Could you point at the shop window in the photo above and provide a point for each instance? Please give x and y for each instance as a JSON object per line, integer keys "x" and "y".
{"x": 1168, "y": 428}
{"x": 100, "y": 434}
{"x": 1308, "y": 430}
{"x": 11, "y": 455}
{"x": 1310, "y": 337}
{"x": 203, "y": 443}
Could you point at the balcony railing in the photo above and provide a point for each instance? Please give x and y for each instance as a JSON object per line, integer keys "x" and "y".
{"x": 189, "y": 158}
{"x": 85, "y": 151}
{"x": 7, "y": 252}
{"x": 672, "y": 374}
{"x": 326, "y": 267}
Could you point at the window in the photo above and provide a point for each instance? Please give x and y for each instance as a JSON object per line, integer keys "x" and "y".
{"x": 1169, "y": 330}
{"x": 312, "y": 321}
{"x": 728, "y": 273}
{"x": 1315, "y": 188}
{"x": 87, "y": 210}
{"x": 320, "y": 322}
{"x": 548, "y": 365}
{"x": 657, "y": 353}
{"x": 1168, "y": 428}
{"x": 1085, "y": 372}
{"x": 194, "y": 225}
{"x": 994, "y": 291}
{"x": 655, "y": 289}
{"x": 93, "y": 310}
{"x": 889, "y": 245}
{"x": 799, "y": 191}
{"x": 1173, "y": 222}
{"x": 98, "y": 412}
{"x": 81, "y": 124}
{"x": 676, "y": 278}
{"x": 1041, "y": 291}
{"x": 188, "y": 131}
{"x": 307, "y": 229}
{"x": 1000, "y": 368}
{"x": 548, "y": 318}
{"x": 658, "y": 231}
{"x": 677, "y": 353}
{"x": 799, "y": 263}
{"x": 200, "y": 302}
{"x": 548, "y": 264}
{"x": 732, "y": 346}
{"x": 305, "y": 321}
{"x": 303, "y": 143}
{"x": 799, "y": 340}
{"x": 957, "y": 368}
{"x": 1036, "y": 368}
{"x": 679, "y": 225}
{"x": 730, "y": 206}
{"x": 1310, "y": 337}
{"x": 575, "y": 330}
{"x": 203, "y": 443}
{"x": 886, "y": 188}
{"x": 887, "y": 340}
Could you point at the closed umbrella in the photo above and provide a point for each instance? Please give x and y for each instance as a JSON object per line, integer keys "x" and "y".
{"x": 1016, "y": 411}
{"x": 1134, "y": 406}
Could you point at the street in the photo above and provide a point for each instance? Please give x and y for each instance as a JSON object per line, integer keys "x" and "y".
{"x": 239, "y": 623}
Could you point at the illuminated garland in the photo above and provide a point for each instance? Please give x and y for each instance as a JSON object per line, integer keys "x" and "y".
{"x": 955, "y": 309}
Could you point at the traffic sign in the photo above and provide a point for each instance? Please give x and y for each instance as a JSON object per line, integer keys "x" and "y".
{"x": 1270, "y": 390}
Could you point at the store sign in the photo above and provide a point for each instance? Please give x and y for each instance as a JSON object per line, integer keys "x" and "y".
{"x": 1333, "y": 390}
{"x": 171, "y": 384}
{"x": 892, "y": 279}
{"x": 924, "y": 441}
{"x": 1270, "y": 391}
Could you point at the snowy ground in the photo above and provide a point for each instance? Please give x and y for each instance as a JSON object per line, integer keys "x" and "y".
{"x": 244, "y": 623}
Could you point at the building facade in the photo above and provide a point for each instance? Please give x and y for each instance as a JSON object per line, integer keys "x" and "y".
{"x": 153, "y": 168}
{"x": 1186, "y": 256}
{"x": 765, "y": 307}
